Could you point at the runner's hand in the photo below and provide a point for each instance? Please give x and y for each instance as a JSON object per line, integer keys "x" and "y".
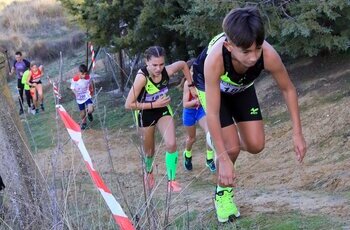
{"x": 299, "y": 146}
{"x": 226, "y": 175}
{"x": 193, "y": 91}
{"x": 161, "y": 102}
{"x": 196, "y": 102}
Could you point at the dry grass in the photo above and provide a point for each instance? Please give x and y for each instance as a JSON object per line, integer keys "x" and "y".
{"x": 39, "y": 28}
{"x": 4, "y": 3}
{"x": 26, "y": 16}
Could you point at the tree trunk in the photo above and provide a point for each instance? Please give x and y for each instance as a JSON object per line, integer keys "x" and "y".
{"x": 26, "y": 201}
{"x": 121, "y": 70}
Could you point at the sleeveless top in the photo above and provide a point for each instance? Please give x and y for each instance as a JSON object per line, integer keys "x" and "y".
{"x": 81, "y": 87}
{"x": 35, "y": 77}
{"x": 152, "y": 91}
{"x": 231, "y": 82}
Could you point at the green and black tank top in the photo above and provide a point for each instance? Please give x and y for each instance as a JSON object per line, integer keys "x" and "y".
{"x": 152, "y": 91}
{"x": 231, "y": 82}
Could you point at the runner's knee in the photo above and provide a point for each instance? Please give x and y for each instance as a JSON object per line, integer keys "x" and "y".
{"x": 190, "y": 140}
{"x": 255, "y": 147}
{"x": 171, "y": 145}
{"x": 233, "y": 154}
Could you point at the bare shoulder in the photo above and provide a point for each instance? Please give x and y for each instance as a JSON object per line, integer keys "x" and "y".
{"x": 214, "y": 57}
{"x": 272, "y": 59}
{"x": 140, "y": 78}
{"x": 139, "y": 83}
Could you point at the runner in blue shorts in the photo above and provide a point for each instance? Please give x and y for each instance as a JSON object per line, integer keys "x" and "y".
{"x": 83, "y": 87}
{"x": 192, "y": 114}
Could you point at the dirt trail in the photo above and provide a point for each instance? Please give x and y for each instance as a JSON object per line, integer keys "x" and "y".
{"x": 282, "y": 200}
{"x": 270, "y": 182}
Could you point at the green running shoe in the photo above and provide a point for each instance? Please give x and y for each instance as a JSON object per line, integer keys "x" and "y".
{"x": 225, "y": 207}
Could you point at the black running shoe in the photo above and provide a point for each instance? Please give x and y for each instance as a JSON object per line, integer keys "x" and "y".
{"x": 211, "y": 165}
{"x": 42, "y": 107}
{"x": 83, "y": 126}
{"x": 187, "y": 162}
{"x": 20, "y": 112}
{"x": 90, "y": 117}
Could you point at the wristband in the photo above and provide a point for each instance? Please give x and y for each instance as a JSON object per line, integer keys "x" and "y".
{"x": 191, "y": 85}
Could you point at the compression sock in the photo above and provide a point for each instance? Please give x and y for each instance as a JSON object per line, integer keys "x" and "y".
{"x": 149, "y": 163}
{"x": 210, "y": 154}
{"x": 171, "y": 163}
{"x": 188, "y": 153}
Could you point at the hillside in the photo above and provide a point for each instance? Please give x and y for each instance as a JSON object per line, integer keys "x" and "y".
{"x": 38, "y": 28}
{"x": 273, "y": 192}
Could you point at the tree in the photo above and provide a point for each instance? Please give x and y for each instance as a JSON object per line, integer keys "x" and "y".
{"x": 202, "y": 19}
{"x": 147, "y": 23}
{"x": 183, "y": 27}
{"x": 299, "y": 28}
{"x": 294, "y": 27}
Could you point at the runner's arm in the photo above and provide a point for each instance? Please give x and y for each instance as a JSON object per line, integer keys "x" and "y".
{"x": 12, "y": 70}
{"x": 29, "y": 78}
{"x": 41, "y": 68}
{"x": 185, "y": 97}
{"x": 212, "y": 94}
{"x": 182, "y": 66}
{"x": 131, "y": 101}
{"x": 179, "y": 66}
{"x": 91, "y": 87}
{"x": 213, "y": 68}
{"x": 274, "y": 65}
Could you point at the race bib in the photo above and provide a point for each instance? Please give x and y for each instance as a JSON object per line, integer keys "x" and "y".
{"x": 81, "y": 96}
{"x": 228, "y": 88}
{"x": 154, "y": 97}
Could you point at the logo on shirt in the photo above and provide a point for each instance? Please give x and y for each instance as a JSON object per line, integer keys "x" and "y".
{"x": 254, "y": 111}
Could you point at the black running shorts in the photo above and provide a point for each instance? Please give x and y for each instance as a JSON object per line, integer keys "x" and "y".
{"x": 150, "y": 117}
{"x": 243, "y": 106}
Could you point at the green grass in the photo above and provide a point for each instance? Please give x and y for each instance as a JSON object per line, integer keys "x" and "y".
{"x": 185, "y": 220}
{"x": 41, "y": 128}
{"x": 347, "y": 195}
{"x": 69, "y": 62}
{"x": 108, "y": 113}
{"x": 334, "y": 97}
{"x": 263, "y": 221}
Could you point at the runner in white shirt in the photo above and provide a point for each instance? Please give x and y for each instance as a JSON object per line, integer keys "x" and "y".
{"x": 82, "y": 87}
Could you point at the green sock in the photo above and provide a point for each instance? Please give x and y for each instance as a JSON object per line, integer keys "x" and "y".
{"x": 149, "y": 163}
{"x": 171, "y": 163}
{"x": 210, "y": 154}
{"x": 219, "y": 188}
{"x": 188, "y": 153}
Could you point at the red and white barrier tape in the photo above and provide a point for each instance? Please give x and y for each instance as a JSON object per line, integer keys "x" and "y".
{"x": 92, "y": 56}
{"x": 75, "y": 133}
{"x": 55, "y": 89}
